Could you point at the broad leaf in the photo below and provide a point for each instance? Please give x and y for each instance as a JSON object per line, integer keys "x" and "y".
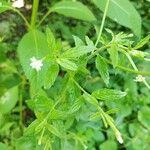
{"x": 123, "y": 12}
{"x": 102, "y": 69}
{"x": 4, "y": 146}
{"x": 8, "y": 100}
{"x": 108, "y": 94}
{"x": 73, "y": 9}
{"x": 33, "y": 44}
{"x": 108, "y": 145}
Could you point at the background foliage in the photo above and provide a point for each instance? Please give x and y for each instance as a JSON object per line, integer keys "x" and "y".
{"x": 69, "y": 104}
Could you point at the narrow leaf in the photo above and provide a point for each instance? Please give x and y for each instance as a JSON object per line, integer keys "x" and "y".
{"x": 77, "y": 51}
{"x": 142, "y": 42}
{"x": 113, "y": 52}
{"x": 67, "y": 64}
{"x": 102, "y": 68}
{"x": 108, "y": 94}
{"x": 50, "y": 39}
{"x": 51, "y": 75}
{"x": 90, "y": 99}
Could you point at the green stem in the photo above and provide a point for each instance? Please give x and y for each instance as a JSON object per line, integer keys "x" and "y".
{"x": 34, "y": 13}
{"x": 103, "y": 21}
{"x": 128, "y": 69}
{"x": 19, "y": 13}
{"x": 21, "y": 110}
{"x": 44, "y": 17}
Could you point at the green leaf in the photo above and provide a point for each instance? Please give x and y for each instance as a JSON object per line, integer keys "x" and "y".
{"x": 142, "y": 42}
{"x": 78, "y": 41}
{"x": 53, "y": 130}
{"x": 8, "y": 100}
{"x": 123, "y": 12}
{"x": 90, "y": 99}
{"x": 51, "y": 75}
{"x": 76, "y": 106}
{"x": 108, "y": 94}
{"x": 113, "y": 52}
{"x": 102, "y": 68}
{"x": 109, "y": 145}
{"x": 41, "y": 104}
{"x": 50, "y": 39}
{"x": 73, "y": 9}
{"x": 67, "y": 64}
{"x": 33, "y": 44}
{"x": 77, "y": 51}
{"x": 144, "y": 116}
{"x": 4, "y": 146}
{"x": 4, "y": 6}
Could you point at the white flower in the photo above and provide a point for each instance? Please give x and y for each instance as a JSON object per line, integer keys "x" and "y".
{"x": 139, "y": 78}
{"x": 36, "y": 64}
{"x": 18, "y": 3}
{"x": 119, "y": 137}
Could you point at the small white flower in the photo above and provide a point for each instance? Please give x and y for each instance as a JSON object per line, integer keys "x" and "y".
{"x": 36, "y": 64}
{"x": 18, "y": 3}
{"x": 139, "y": 78}
{"x": 119, "y": 138}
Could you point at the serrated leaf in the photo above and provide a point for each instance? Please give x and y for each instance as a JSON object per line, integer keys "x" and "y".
{"x": 102, "y": 69}
{"x": 113, "y": 52}
{"x": 108, "y": 94}
{"x": 142, "y": 42}
{"x": 77, "y": 51}
{"x": 40, "y": 103}
{"x": 8, "y": 100}
{"x": 123, "y": 12}
{"x": 73, "y": 9}
{"x": 90, "y": 99}
{"x": 33, "y": 44}
{"x": 144, "y": 116}
{"x": 53, "y": 130}
{"x": 76, "y": 106}
{"x": 50, "y": 39}
{"x": 89, "y": 41}
{"x": 51, "y": 75}
{"x": 78, "y": 41}
{"x": 67, "y": 64}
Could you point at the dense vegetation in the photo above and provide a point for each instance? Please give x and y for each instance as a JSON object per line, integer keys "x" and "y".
{"x": 74, "y": 75}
